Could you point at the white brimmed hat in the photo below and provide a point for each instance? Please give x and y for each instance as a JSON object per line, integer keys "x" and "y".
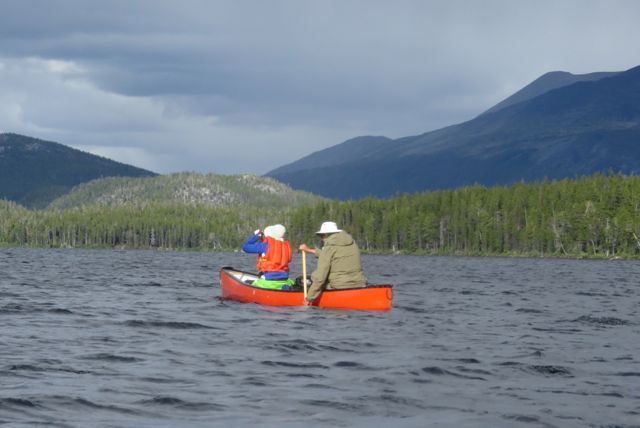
{"x": 276, "y": 231}
{"x": 328, "y": 227}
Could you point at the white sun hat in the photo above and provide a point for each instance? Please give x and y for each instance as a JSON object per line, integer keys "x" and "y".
{"x": 328, "y": 227}
{"x": 276, "y": 231}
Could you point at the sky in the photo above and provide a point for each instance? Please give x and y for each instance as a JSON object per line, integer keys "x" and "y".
{"x": 246, "y": 86}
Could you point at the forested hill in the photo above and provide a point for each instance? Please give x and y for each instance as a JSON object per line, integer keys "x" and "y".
{"x": 34, "y": 172}
{"x": 595, "y": 216}
{"x": 186, "y": 188}
{"x": 574, "y": 130}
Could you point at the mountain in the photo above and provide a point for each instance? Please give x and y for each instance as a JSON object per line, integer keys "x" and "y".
{"x": 546, "y": 83}
{"x": 351, "y": 149}
{"x": 34, "y": 172}
{"x": 573, "y": 130}
{"x": 186, "y": 188}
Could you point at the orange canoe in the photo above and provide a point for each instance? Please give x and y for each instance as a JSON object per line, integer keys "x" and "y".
{"x": 236, "y": 285}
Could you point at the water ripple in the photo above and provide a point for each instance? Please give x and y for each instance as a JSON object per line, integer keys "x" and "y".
{"x": 174, "y": 402}
{"x": 167, "y": 324}
{"x": 112, "y": 358}
{"x": 601, "y": 320}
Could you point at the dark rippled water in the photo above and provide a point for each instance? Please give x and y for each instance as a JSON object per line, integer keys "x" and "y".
{"x": 140, "y": 339}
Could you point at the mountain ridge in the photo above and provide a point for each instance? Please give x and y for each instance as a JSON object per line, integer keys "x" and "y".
{"x": 358, "y": 146}
{"x": 33, "y": 172}
{"x": 573, "y": 130}
{"x": 547, "y": 82}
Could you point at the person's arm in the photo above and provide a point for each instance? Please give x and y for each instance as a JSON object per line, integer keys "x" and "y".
{"x": 320, "y": 275}
{"x": 254, "y": 245}
{"x": 307, "y": 249}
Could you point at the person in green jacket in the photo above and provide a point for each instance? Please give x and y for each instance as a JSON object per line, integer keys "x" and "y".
{"x": 339, "y": 263}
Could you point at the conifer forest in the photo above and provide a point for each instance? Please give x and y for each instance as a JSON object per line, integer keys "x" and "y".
{"x": 597, "y": 216}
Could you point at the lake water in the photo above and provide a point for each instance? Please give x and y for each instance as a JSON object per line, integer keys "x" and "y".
{"x": 140, "y": 338}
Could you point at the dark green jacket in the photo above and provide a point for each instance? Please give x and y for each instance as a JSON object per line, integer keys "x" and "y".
{"x": 339, "y": 265}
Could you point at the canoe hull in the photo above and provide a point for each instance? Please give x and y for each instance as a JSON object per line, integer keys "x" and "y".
{"x": 235, "y": 286}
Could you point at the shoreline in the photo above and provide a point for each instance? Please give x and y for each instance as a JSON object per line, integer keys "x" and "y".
{"x": 531, "y": 255}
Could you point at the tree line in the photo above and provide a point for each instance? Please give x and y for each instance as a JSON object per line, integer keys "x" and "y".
{"x": 595, "y": 216}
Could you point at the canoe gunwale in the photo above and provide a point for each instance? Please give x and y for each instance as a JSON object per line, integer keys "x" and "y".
{"x": 226, "y": 270}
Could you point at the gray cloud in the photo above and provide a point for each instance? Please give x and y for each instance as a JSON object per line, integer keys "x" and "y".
{"x": 235, "y": 86}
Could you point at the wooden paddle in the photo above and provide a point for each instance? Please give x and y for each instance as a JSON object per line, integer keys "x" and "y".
{"x": 304, "y": 273}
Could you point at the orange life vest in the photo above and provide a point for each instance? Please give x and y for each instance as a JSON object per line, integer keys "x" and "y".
{"x": 277, "y": 258}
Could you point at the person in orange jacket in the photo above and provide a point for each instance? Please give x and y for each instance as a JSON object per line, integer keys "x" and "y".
{"x": 274, "y": 255}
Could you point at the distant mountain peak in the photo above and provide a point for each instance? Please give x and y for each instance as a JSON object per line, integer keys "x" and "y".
{"x": 548, "y": 82}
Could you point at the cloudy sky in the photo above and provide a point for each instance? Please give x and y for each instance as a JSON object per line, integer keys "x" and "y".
{"x": 249, "y": 85}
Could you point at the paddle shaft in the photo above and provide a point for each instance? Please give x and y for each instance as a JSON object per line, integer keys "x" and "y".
{"x": 304, "y": 272}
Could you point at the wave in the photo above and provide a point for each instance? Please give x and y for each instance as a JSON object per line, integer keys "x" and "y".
{"x": 588, "y": 319}
{"x": 462, "y": 360}
{"x": 591, "y": 294}
{"x": 352, "y": 365}
{"x": 546, "y": 370}
{"x": 301, "y": 345}
{"x": 178, "y": 403}
{"x": 4, "y": 294}
{"x": 144, "y": 284}
{"x": 294, "y": 365}
{"x": 558, "y": 330}
{"x": 438, "y": 371}
{"x": 529, "y": 311}
{"x": 16, "y": 308}
{"x": 59, "y": 311}
{"x": 112, "y": 357}
{"x": 551, "y": 370}
{"x": 161, "y": 380}
{"x": 11, "y": 403}
{"x": 63, "y": 401}
{"x": 33, "y": 368}
{"x": 254, "y": 381}
{"x": 523, "y": 418}
{"x": 474, "y": 371}
{"x": 168, "y": 324}
{"x": 413, "y": 309}
{"x": 82, "y": 404}
{"x": 305, "y": 375}
{"x": 336, "y": 405}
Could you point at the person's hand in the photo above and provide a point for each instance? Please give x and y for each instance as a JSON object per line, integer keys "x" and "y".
{"x": 258, "y": 232}
{"x": 305, "y": 247}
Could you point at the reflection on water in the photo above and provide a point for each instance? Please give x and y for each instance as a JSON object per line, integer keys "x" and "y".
{"x": 140, "y": 338}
